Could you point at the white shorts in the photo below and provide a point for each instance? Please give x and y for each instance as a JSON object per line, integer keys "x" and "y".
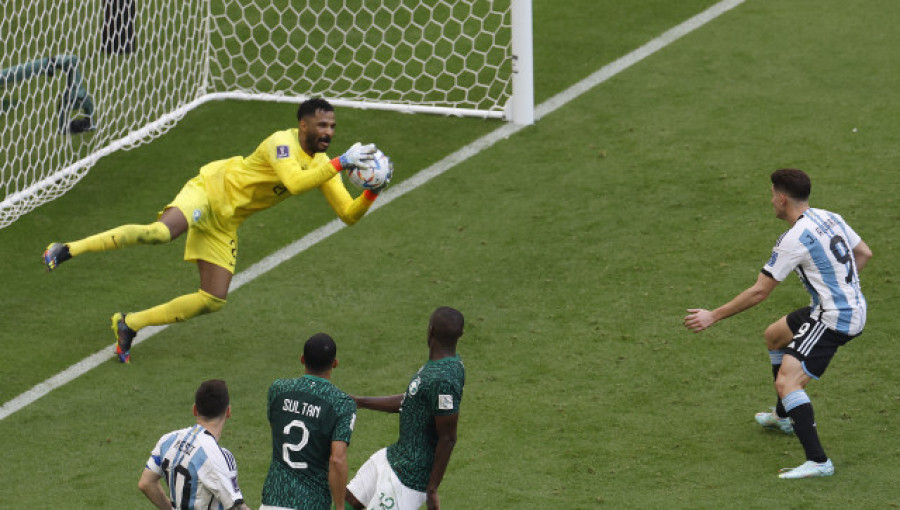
{"x": 377, "y": 487}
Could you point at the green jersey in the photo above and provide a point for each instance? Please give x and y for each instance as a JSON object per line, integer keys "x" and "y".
{"x": 435, "y": 390}
{"x": 306, "y": 414}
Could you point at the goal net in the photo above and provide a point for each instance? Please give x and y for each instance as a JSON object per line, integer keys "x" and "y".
{"x": 82, "y": 79}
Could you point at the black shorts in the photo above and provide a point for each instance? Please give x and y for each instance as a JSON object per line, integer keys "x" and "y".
{"x": 814, "y": 344}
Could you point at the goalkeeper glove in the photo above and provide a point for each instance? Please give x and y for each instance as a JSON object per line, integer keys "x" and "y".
{"x": 358, "y": 156}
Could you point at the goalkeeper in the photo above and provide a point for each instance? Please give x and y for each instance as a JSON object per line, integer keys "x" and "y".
{"x": 212, "y": 206}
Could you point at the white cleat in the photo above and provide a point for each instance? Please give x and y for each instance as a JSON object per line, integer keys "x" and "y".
{"x": 772, "y": 421}
{"x": 809, "y": 469}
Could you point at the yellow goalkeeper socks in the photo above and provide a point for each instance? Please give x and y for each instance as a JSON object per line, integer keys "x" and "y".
{"x": 120, "y": 237}
{"x": 179, "y": 309}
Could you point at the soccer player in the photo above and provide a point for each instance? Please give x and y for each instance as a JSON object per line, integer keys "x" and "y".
{"x": 199, "y": 473}
{"x": 312, "y": 421}
{"x": 213, "y": 205}
{"x": 407, "y": 473}
{"x": 827, "y": 255}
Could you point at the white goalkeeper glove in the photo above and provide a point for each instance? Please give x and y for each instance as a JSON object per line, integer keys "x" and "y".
{"x": 358, "y": 156}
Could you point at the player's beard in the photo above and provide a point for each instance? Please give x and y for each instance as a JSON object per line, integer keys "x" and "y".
{"x": 320, "y": 143}
{"x": 317, "y": 143}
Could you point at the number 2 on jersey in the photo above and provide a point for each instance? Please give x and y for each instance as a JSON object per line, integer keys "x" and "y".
{"x": 287, "y": 448}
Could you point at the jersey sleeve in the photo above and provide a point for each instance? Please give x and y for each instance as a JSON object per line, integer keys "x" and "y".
{"x": 219, "y": 475}
{"x": 348, "y": 209}
{"x": 273, "y": 391}
{"x": 279, "y": 150}
{"x": 786, "y": 256}
{"x": 154, "y": 463}
{"x": 447, "y": 398}
{"x": 346, "y": 420}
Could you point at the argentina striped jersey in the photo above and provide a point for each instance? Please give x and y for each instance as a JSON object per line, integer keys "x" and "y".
{"x": 819, "y": 248}
{"x": 198, "y": 472}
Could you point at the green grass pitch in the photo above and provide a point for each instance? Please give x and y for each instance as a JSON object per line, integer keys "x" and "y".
{"x": 573, "y": 248}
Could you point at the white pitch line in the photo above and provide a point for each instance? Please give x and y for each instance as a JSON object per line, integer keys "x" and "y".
{"x": 275, "y": 259}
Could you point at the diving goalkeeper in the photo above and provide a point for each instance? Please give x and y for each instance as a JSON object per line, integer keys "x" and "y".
{"x": 212, "y": 206}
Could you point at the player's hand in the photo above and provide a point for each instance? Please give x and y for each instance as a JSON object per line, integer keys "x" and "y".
{"x": 698, "y": 319}
{"x": 358, "y": 156}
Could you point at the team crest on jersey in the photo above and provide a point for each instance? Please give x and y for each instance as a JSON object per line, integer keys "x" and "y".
{"x": 414, "y": 386}
{"x": 282, "y": 151}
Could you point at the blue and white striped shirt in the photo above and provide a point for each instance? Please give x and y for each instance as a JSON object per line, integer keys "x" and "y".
{"x": 198, "y": 472}
{"x": 819, "y": 248}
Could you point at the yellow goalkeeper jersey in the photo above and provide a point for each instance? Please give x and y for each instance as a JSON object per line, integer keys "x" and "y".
{"x": 240, "y": 186}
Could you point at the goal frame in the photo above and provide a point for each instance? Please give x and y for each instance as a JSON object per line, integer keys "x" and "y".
{"x": 519, "y": 109}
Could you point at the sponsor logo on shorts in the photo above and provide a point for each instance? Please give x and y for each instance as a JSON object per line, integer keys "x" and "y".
{"x": 385, "y": 502}
{"x": 773, "y": 259}
{"x": 282, "y": 151}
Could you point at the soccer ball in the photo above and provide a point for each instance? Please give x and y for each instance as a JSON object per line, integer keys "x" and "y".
{"x": 376, "y": 176}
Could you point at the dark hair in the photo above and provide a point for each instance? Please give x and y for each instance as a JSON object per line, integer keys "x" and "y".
{"x": 446, "y": 325}
{"x": 212, "y": 398}
{"x": 319, "y": 352}
{"x": 311, "y": 106}
{"x": 793, "y": 182}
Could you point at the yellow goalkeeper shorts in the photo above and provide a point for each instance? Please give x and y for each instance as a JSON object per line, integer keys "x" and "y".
{"x": 207, "y": 239}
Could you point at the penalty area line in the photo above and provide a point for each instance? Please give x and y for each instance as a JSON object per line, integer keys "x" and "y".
{"x": 418, "y": 179}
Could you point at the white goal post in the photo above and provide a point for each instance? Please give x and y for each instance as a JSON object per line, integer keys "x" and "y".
{"x": 82, "y": 79}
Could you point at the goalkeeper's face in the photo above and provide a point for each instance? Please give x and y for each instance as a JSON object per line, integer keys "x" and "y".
{"x": 315, "y": 132}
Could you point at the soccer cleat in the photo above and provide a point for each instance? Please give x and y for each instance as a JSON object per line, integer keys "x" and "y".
{"x": 809, "y": 469}
{"x": 124, "y": 337}
{"x": 772, "y": 421}
{"x": 55, "y": 254}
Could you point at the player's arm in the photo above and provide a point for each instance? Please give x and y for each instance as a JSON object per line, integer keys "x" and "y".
{"x": 862, "y": 254}
{"x": 389, "y": 404}
{"x": 295, "y": 179}
{"x": 337, "y": 472}
{"x": 699, "y": 319}
{"x": 278, "y": 151}
{"x": 150, "y": 485}
{"x": 445, "y": 427}
{"x": 348, "y": 210}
